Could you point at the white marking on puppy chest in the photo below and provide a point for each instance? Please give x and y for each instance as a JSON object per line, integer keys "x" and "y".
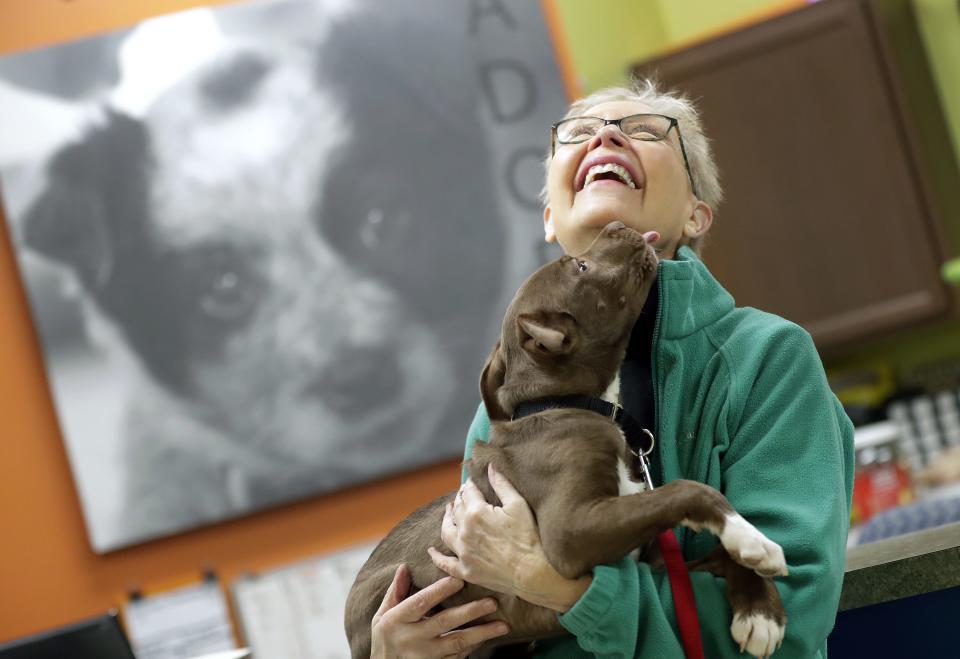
{"x": 627, "y": 484}
{"x": 612, "y": 394}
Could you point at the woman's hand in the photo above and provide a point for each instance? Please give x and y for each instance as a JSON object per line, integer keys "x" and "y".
{"x": 400, "y": 628}
{"x": 499, "y": 547}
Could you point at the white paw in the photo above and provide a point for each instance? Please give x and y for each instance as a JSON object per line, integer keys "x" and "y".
{"x": 751, "y": 548}
{"x": 757, "y": 634}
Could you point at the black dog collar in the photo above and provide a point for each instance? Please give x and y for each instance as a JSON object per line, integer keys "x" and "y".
{"x": 639, "y": 438}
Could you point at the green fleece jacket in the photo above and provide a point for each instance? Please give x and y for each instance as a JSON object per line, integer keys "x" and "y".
{"x": 742, "y": 404}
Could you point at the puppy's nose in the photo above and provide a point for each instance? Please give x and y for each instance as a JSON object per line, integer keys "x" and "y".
{"x": 361, "y": 379}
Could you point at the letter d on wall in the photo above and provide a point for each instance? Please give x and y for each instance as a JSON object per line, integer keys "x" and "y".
{"x": 509, "y": 88}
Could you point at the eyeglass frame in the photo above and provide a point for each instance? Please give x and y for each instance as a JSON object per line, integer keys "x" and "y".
{"x": 674, "y": 123}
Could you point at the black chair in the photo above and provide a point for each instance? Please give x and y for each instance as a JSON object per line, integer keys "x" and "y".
{"x": 97, "y": 638}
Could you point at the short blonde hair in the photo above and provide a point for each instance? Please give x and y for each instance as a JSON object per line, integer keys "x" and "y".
{"x": 703, "y": 167}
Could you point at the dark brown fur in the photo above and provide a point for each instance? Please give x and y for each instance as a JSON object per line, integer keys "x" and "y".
{"x": 565, "y": 333}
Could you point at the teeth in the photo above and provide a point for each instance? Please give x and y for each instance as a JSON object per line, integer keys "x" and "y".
{"x": 619, "y": 170}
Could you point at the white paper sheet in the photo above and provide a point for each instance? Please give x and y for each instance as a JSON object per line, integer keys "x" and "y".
{"x": 296, "y": 612}
{"x": 240, "y": 653}
{"x": 180, "y": 623}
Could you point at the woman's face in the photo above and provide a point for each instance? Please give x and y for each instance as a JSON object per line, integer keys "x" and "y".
{"x": 661, "y": 201}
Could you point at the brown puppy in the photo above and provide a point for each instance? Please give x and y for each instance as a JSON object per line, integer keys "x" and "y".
{"x": 564, "y": 334}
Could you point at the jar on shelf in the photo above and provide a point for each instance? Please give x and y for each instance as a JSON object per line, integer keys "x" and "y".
{"x": 883, "y": 476}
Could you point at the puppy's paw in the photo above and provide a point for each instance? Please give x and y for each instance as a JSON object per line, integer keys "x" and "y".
{"x": 757, "y": 634}
{"x": 747, "y": 546}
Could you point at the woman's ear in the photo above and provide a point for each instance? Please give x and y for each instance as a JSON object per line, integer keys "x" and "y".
{"x": 549, "y": 235}
{"x": 701, "y": 217}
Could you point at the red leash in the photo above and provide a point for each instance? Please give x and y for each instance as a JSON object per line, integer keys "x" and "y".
{"x": 684, "y": 602}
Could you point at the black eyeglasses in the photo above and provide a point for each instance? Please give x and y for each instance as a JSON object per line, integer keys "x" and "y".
{"x": 646, "y": 127}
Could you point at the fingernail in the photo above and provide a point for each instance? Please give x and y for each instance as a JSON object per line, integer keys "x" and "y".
{"x": 501, "y": 628}
{"x": 490, "y": 605}
{"x": 492, "y": 471}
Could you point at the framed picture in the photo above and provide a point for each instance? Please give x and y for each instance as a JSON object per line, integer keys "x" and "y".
{"x": 268, "y": 245}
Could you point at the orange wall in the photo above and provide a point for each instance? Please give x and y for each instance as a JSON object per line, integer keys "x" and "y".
{"x": 48, "y": 574}
{"x": 31, "y": 23}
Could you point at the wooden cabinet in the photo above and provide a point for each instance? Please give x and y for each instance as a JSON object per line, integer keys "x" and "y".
{"x": 830, "y": 219}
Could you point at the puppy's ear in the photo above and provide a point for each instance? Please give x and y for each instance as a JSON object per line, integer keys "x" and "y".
{"x": 546, "y": 333}
{"x": 66, "y": 225}
{"x": 490, "y": 382}
{"x": 88, "y": 211}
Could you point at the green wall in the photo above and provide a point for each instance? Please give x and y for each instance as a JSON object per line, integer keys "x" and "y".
{"x": 604, "y": 38}
{"x": 940, "y": 25}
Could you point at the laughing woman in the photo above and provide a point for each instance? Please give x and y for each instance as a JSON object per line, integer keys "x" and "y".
{"x": 737, "y": 399}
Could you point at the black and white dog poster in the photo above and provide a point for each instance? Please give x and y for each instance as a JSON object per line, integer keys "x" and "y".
{"x": 267, "y": 245}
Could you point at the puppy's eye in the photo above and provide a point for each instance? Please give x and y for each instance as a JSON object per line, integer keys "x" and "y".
{"x": 581, "y": 265}
{"x": 227, "y": 298}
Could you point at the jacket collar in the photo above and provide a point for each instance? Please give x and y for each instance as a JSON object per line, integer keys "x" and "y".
{"x": 690, "y": 298}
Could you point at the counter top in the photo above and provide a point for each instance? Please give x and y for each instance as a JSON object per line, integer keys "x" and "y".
{"x": 902, "y": 566}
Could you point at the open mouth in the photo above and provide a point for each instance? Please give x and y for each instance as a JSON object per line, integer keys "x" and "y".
{"x": 609, "y": 171}
{"x": 607, "y": 168}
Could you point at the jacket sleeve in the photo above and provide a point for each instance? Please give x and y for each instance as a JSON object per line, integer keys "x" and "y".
{"x": 787, "y": 466}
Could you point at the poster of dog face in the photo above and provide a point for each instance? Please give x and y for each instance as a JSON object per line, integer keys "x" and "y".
{"x": 267, "y": 245}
